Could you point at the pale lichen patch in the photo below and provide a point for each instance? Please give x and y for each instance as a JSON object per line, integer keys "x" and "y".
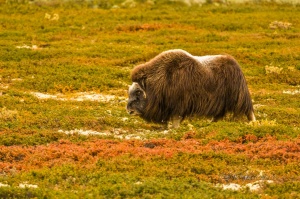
{"x": 80, "y": 96}
{"x": 84, "y": 132}
{"x": 25, "y": 185}
{"x": 4, "y": 185}
{"x": 291, "y": 92}
{"x": 253, "y": 186}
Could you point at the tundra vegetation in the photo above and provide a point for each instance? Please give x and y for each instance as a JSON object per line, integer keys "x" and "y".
{"x": 64, "y": 74}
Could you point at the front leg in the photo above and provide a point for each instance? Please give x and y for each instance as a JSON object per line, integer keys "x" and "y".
{"x": 176, "y": 120}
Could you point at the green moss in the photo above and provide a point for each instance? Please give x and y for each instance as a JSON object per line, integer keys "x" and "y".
{"x": 92, "y": 47}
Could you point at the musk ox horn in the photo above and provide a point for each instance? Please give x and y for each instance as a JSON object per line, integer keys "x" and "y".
{"x": 175, "y": 85}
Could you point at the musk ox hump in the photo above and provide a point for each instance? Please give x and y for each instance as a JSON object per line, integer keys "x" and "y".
{"x": 208, "y": 59}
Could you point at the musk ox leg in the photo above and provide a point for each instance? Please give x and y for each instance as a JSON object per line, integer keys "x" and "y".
{"x": 251, "y": 116}
{"x": 176, "y": 120}
{"x": 219, "y": 116}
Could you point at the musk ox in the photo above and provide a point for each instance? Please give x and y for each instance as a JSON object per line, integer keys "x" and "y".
{"x": 175, "y": 85}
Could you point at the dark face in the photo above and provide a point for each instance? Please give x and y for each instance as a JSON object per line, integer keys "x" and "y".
{"x": 136, "y": 99}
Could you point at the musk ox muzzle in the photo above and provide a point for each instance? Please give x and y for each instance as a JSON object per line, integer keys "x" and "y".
{"x": 175, "y": 85}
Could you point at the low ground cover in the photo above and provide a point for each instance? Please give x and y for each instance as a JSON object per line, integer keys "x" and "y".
{"x": 64, "y": 130}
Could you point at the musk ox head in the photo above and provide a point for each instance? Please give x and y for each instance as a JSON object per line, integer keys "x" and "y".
{"x": 137, "y": 99}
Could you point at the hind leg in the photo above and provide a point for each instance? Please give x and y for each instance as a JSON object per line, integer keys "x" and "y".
{"x": 219, "y": 116}
{"x": 251, "y": 116}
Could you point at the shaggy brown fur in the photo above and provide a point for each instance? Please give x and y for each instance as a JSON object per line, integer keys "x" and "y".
{"x": 177, "y": 84}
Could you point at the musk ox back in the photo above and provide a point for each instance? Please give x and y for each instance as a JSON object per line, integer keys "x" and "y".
{"x": 175, "y": 85}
